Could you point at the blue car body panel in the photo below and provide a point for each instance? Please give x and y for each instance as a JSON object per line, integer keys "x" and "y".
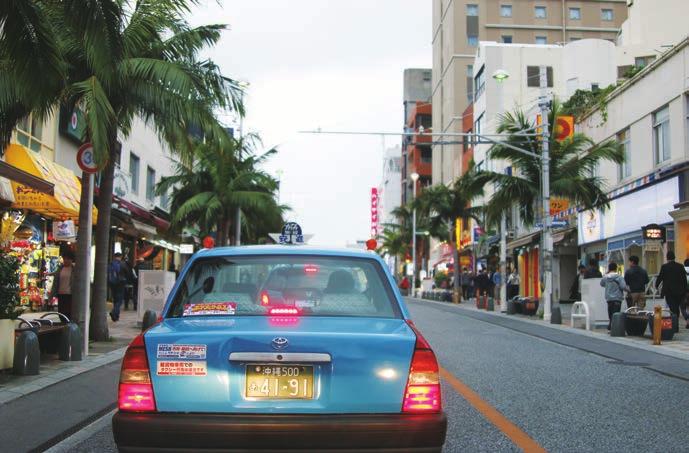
{"x": 367, "y": 373}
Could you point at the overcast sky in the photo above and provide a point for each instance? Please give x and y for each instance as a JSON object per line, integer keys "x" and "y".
{"x": 333, "y": 64}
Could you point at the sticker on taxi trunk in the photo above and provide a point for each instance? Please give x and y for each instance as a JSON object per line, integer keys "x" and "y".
{"x": 210, "y": 308}
{"x": 181, "y": 368}
{"x": 181, "y": 351}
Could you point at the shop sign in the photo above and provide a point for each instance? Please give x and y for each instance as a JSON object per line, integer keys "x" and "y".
{"x": 558, "y": 205}
{"x": 653, "y": 232}
{"x": 73, "y": 124}
{"x": 186, "y": 249}
{"x": 64, "y": 230}
{"x": 374, "y": 212}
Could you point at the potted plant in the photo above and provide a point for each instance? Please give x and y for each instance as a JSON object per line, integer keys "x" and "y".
{"x": 9, "y": 306}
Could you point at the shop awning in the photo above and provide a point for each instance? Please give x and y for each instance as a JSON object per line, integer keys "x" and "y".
{"x": 15, "y": 174}
{"x": 143, "y": 228}
{"x": 559, "y": 236}
{"x": 524, "y": 240}
{"x": 64, "y": 203}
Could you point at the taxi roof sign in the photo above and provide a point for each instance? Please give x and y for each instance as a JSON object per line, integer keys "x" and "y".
{"x": 291, "y": 234}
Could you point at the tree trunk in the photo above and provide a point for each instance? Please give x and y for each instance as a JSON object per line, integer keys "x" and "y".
{"x": 81, "y": 277}
{"x": 456, "y": 292}
{"x": 226, "y": 230}
{"x": 99, "y": 321}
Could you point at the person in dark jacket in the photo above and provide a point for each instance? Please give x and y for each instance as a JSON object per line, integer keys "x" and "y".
{"x": 615, "y": 287}
{"x": 636, "y": 278}
{"x": 482, "y": 283}
{"x": 674, "y": 279}
{"x": 592, "y": 271}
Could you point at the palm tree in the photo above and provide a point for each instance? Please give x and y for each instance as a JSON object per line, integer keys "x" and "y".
{"x": 121, "y": 59}
{"x": 441, "y": 205}
{"x": 222, "y": 178}
{"x": 573, "y": 164}
{"x": 396, "y": 237}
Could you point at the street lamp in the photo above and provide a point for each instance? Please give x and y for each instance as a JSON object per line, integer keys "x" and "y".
{"x": 414, "y": 177}
{"x": 544, "y": 157}
{"x": 500, "y": 76}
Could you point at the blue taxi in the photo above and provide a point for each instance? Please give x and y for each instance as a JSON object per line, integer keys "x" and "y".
{"x": 281, "y": 348}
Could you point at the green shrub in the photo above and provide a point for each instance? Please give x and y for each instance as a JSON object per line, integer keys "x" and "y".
{"x": 9, "y": 286}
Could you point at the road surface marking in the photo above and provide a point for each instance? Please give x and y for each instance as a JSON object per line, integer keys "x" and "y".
{"x": 512, "y": 431}
{"x": 68, "y": 444}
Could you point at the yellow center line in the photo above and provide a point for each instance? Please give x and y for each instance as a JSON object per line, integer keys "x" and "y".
{"x": 512, "y": 431}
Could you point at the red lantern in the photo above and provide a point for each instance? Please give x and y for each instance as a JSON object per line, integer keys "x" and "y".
{"x": 208, "y": 242}
{"x": 371, "y": 244}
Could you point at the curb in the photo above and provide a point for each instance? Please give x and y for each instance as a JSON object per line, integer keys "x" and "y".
{"x": 563, "y": 327}
{"x": 42, "y": 382}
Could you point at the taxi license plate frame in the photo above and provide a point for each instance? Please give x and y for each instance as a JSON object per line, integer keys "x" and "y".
{"x": 254, "y": 374}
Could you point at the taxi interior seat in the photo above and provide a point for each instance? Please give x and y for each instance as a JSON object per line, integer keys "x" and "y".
{"x": 233, "y": 287}
{"x": 340, "y": 296}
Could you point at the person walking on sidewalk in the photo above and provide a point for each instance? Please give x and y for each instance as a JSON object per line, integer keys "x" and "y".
{"x": 117, "y": 279}
{"x": 636, "y": 278}
{"x": 62, "y": 285}
{"x": 674, "y": 279}
{"x": 615, "y": 287}
{"x": 592, "y": 271}
{"x": 512, "y": 284}
{"x": 465, "y": 281}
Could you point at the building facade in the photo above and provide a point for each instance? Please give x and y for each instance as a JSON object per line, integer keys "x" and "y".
{"x": 459, "y": 26}
{"x": 417, "y": 112}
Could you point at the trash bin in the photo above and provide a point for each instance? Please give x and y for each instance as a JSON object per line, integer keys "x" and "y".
{"x": 668, "y": 321}
{"x": 636, "y": 322}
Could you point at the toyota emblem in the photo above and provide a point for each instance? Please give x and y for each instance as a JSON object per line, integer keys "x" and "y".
{"x": 280, "y": 343}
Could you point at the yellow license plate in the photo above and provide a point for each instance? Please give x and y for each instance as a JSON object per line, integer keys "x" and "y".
{"x": 279, "y": 381}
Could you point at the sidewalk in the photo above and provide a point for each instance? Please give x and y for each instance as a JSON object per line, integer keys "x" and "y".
{"x": 53, "y": 370}
{"x": 677, "y": 348}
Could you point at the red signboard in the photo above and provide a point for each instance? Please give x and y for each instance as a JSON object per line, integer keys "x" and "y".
{"x": 374, "y": 212}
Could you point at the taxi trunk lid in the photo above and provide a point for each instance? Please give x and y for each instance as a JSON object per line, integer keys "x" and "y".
{"x": 360, "y": 365}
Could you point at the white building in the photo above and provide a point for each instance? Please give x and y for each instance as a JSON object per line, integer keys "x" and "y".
{"x": 390, "y": 190}
{"x": 649, "y": 114}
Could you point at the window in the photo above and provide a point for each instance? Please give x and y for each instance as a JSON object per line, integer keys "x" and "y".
{"x": 134, "y": 171}
{"x": 661, "y": 134}
{"x": 575, "y": 13}
{"x": 606, "y": 14}
{"x": 165, "y": 200}
{"x": 426, "y": 154}
{"x": 150, "y": 183}
{"x": 507, "y": 39}
{"x": 541, "y": 40}
{"x": 506, "y": 10}
{"x": 472, "y": 40}
{"x": 595, "y": 87}
{"x": 533, "y": 76}
{"x": 479, "y": 82}
{"x": 640, "y": 62}
{"x": 425, "y": 121}
{"x": 540, "y": 12}
{"x": 625, "y": 168}
{"x": 478, "y": 124}
{"x": 472, "y": 10}
{"x": 322, "y": 286}
{"x": 30, "y": 133}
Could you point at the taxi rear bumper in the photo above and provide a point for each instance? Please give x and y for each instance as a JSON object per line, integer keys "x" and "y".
{"x": 154, "y": 432}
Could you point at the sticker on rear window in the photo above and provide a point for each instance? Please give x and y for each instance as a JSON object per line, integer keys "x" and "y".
{"x": 210, "y": 308}
{"x": 181, "y": 351}
{"x": 181, "y": 368}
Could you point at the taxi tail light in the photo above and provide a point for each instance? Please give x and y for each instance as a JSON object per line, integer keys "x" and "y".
{"x": 288, "y": 311}
{"x": 136, "y": 390}
{"x": 422, "y": 394}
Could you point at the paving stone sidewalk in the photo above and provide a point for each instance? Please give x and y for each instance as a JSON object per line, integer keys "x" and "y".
{"x": 678, "y": 347}
{"x": 53, "y": 370}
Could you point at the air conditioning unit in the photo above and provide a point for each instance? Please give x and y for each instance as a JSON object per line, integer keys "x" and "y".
{"x": 510, "y": 235}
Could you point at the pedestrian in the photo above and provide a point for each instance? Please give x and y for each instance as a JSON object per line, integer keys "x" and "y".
{"x": 404, "y": 286}
{"x": 117, "y": 279}
{"x": 465, "y": 281}
{"x": 136, "y": 272}
{"x": 636, "y": 278}
{"x": 496, "y": 280}
{"x": 482, "y": 283}
{"x": 63, "y": 283}
{"x": 129, "y": 285}
{"x": 575, "y": 289}
{"x": 674, "y": 279}
{"x": 513, "y": 284}
{"x": 593, "y": 271}
{"x": 683, "y": 307}
{"x": 615, "y": 287}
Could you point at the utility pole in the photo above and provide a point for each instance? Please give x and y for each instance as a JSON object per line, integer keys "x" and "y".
{"x": 503, "y": 262}
{"x": 545, "y": 162}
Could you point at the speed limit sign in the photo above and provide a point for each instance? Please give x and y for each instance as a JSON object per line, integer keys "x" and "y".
{"x": 86, "y": 159}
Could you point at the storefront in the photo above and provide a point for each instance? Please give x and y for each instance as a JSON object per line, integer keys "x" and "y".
{"x": 526, "y": 253}
{"x": 614, "y": 234}
{"x": 37, "y": 227}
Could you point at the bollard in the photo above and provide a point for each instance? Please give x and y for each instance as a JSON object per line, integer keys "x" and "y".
{"x": 556, "y": 315}
{"x": 617, "y": 325}
{"x": 657, "y": 324}
{"x": 27, "y": 354}
{"x": 491, "y": 304}
{"x": 150, "y": 318}
{"x": 71, "y": 343}
{"x": 511, "y": 308}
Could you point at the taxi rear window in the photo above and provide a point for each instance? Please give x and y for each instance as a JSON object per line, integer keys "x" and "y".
{"x": 268, "y": 285}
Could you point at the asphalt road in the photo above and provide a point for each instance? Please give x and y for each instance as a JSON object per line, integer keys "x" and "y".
{"x": 564, "y": 394}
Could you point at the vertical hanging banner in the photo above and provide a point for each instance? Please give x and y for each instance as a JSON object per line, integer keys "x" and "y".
{"x": 374, "y": 212}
